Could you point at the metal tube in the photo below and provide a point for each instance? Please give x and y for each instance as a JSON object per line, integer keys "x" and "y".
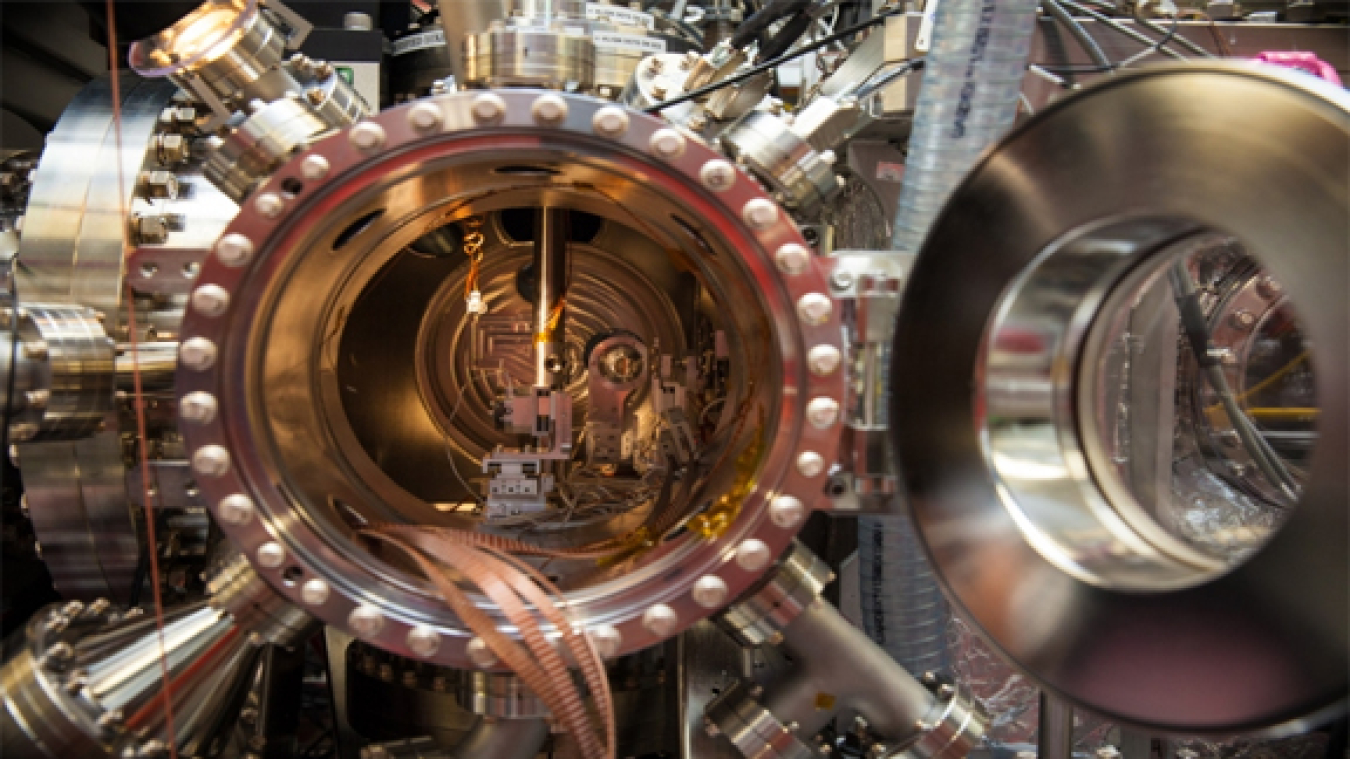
{"x": 550, "y": 289}
{"x": 1055, "y": 729}
{"x": 504, "y": 739}
{"x": 837, "y": 658}
{"x": 156, "y": 363}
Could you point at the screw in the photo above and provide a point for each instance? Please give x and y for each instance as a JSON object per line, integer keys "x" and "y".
{"x": 667, "y": 143}
{"x": 753, "y": 555}
{"x": 367, "y": 136}
{"x": 660, "y": 620}
{"x": 314, "y": 592}
{"x": 172, "y": 149}
{"x": 610, "y": 121}
{"x": 792, "y": 258}
{"x": 152, "y": 229}
{"x": 480, "y": 654}
{"x": 1269, "y": 288}
{"x": 211, "y": 461}
{"x": 786, "y": 511}
{"x": 366, "y": 621}
{"x": 718, "y": 175}
{"x": 159, "y": 184}
{"x": 822, "y": 412}
{"x": 710, "y": 591}
{"x": 549, "y": 110}
{"x": 425, "y": 117}
{"x": 234, "y": 250}
{"x": 271, "y": 555}
{"x": 211, "y": 300}
{"x": 314, "y": 167}
{"x": 760, "y": 213}
{"x": 810, "y": 464}
{"x": 424, "y": 641}
{"x": 842, "y": 279}
{"x": 487, "y": 108}
{"x": 815, "y": 308}
{"x": 607, "y": 640}
{"x": 269, "y": 204}
{"x": 1243, "y": 319}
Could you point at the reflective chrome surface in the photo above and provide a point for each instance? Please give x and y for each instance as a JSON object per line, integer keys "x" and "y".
{"x": 1260, "y": 645}
{"x": 387, "y": 183}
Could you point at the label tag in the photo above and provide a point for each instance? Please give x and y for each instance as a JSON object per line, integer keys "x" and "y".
{"x": 422, "y": 41}
{"x": 619, "y": 16}
{"x": 630, "y": 41}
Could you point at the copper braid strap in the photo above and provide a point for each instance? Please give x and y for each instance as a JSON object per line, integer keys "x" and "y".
{"x": 509, "y": 583}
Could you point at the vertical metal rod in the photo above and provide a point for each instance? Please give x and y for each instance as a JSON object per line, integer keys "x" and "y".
{"x": 1055, "y": 729}
{"x": 550, "y": 271}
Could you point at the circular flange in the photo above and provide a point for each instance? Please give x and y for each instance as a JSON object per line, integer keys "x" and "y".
{"x": 1120, "y": 623}
{"x": 403, "y": 604}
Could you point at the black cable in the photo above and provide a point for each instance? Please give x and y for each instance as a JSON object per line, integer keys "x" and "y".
{"x": 1157, "y": 47}
{"x": 1076, "y": 30}
{"x": 1171, "y": 33}
{"x": 757, "y": 24}
{"x": 881, "y": 80}
{"x": 772, "y": 64}
{"x": 792, "y": 31}
{"x": 1196, "y": 327}
{"x": 1119, "y": 28}
{"x": 1186, "y": 43}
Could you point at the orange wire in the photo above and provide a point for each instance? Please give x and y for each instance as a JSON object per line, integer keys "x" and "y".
{"x": 139, "y": 400}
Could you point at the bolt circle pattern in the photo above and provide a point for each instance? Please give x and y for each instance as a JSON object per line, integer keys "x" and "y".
{"x": 465, "y": 119}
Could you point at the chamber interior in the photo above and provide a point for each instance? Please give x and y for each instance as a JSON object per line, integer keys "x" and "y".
{"x": 1203, "y": 397}
{"x": 1149, "y": 403}
{"x": 665, "y": 352}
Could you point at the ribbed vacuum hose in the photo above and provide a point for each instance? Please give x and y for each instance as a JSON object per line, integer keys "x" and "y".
{"x": 903, "y": 609}
{"x": 971, "y": 82}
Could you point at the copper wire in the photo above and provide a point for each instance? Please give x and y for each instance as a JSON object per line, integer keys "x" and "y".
{"x": 511, "y": 584}
{"x": 171, "y": 738}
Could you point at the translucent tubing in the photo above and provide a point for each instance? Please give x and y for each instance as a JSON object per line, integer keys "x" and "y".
{"x": 971, "y": 83}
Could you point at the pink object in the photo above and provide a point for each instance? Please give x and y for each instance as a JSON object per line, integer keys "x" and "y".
{"x": 1302, "y": 61}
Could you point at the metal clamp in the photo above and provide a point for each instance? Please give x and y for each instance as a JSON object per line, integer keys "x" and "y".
{"x": 761, "y": 615}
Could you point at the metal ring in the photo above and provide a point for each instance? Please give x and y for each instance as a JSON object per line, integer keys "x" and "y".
{"x": 1259, "y": 646}
{"x": 619, "y": 603}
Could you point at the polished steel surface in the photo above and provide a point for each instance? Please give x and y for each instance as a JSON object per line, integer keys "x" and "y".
{"x": 508, "y": 56}
{"x": 305, "y": 491}
{"x": 839, "y": 668}
{"x": 89, "y": 683}
{"x": 783, "y": 159}
{"x": 72, "y": 249}
{"x": 751, "y": 728}
{"x": 260, "y": 144}
{"x": 708, "y": 662}
{"x": 73, "y": 229}
{"x": 505, "y": 738}
{"x": 548, "y": 320}
{"x": 236, "y": 589}
{"x": 68, "y": 362}
{"x": 765, "y": 612}
{"x": 1260, "y": 646}
{"x": 498, "y": 694}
